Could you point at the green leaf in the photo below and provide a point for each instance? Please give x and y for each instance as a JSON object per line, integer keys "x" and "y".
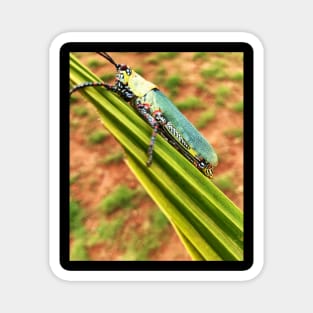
{"x": 208, "y": 223}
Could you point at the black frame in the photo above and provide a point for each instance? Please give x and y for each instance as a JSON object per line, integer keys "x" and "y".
{"x": 248, "y": 156}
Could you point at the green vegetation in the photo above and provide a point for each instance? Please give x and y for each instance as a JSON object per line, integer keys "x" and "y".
{"x": 161, "y": 70}
{"x": 205, "y": 118}
{"x": 140, "y": 195}
{"x": 80, "y": 110}
{"x": 78, "y": 251}
{"x": 221, "y": 94}
{"x": 238, "y": 106}
{"x": 189, "y": 103}
{"x": 159, "y": 57}
{"x": 158, "y": 220}
{"x": 225, "y": 181}
{"x": 238, "y": 76}
{"x": 166, "y": 55}
{"x": 201, "y": 86}
{"x": 76, "y": 216}
{"x": 79, "y": 54}
{"x": 106, "y": 231}
{"x": 93, "y": 116}
{"x": 140, "y": 246}
{"x": 77, "y": 229}
{"x": 74, "y": 124}
{"x": 74, "y": 178}
{"x": 172, "y": 84}
{"x": 73, "y": 99}
{"x": 234, "y": 132}
{"x": 115, "y": 157}
{"x": 216, "y": 70}
{"x": 200, "y": 56}
{"x": 136, "y": 241}
{"x": 94, "y": 63}
{"x": 221, "y": 54}
{"x": 119, "y": 198}
{"x": 223, "y": 91}
{"x": 107, "y": 77}
{"x": 139, "y": 71}
{"x": 98, "y": 136}
{"x": 152, "y": 59}
{"x": 110, "y": 230}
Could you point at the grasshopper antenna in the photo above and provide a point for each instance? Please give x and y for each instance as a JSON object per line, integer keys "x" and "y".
{"x": 96, "y": 84}
{"x": 109, "y": 58}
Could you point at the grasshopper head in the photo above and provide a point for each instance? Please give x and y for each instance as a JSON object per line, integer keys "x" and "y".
{"x": 123, "y": 73}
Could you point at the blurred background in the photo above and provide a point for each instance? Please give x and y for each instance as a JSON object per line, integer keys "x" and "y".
{"x": 111, "y": 215}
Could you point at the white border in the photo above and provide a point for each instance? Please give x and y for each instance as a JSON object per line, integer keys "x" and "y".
{"x": 54, "y": 165}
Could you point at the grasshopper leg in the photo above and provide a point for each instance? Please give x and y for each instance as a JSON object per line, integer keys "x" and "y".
{"x": 91, "y": 84}
{"x": 143, "y": 110}
{"x": 151, "y": 145}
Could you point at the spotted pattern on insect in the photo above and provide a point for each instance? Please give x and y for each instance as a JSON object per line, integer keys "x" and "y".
{"x": 88, "y": 84}
{"x": 169, "y": 126}
{"x": 162, "y": 115}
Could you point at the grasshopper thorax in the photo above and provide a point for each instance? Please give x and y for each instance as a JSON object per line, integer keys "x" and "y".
{"x": 128, "y": 78}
